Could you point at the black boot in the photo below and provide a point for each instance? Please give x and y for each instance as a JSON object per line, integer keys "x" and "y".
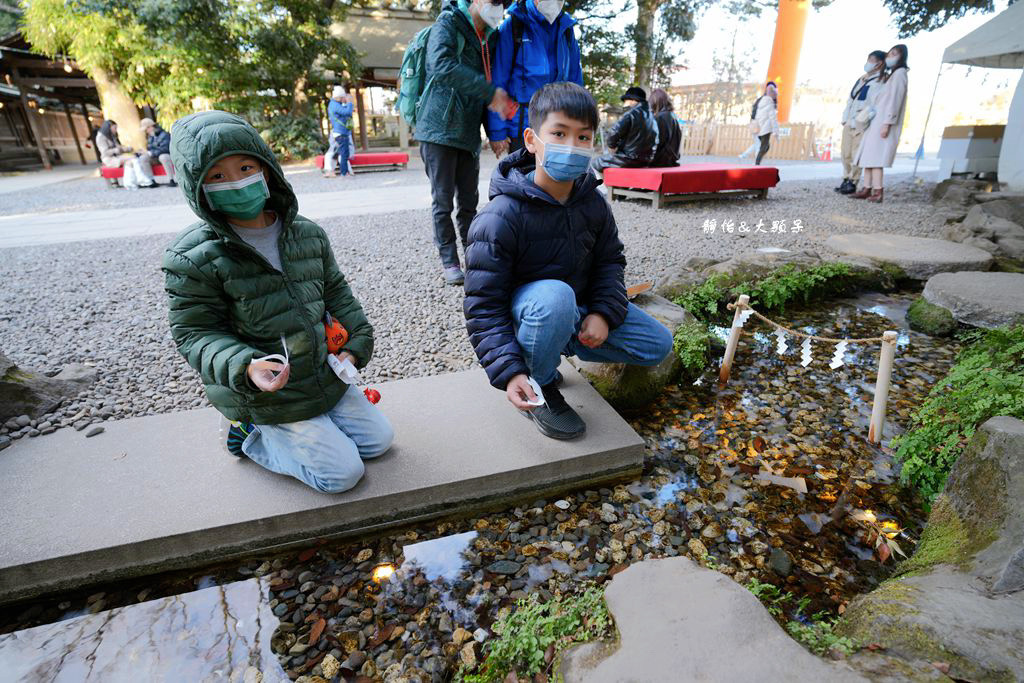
{"x": 850, "y": 187}
{"x": 556, "y": 419}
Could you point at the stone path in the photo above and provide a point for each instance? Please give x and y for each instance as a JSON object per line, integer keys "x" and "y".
{"x": 980, "y": 299}
{"x": 919, "y": 257}
{"x": 160, "y": 492}
{"x": 678, "y": 621}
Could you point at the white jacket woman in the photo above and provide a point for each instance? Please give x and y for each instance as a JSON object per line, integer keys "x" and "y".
{"x": 862, "y": 99}
{"x": 878, "y": 147}
{"x": 766, "y": 117}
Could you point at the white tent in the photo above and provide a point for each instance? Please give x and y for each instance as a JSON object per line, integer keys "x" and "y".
{"x": 999, "y": 43}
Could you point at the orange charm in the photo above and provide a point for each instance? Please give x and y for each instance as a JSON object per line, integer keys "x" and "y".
{"x": 337, "y": 335}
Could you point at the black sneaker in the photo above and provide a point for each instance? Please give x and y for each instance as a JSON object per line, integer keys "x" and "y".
{"x": 849, "y": 187}
{"x": 555, "y": 419}
{"x": 237, "y": 434}
{"x": 172, "y": 184}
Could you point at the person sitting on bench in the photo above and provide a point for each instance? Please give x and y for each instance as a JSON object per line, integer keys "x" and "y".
{"x": 546, "y": 266}
{"x": 115, "y": 155}
{"x": 253, "y": 278}
{"x": 158, "y": 146}
{"x": 634, "y": 137}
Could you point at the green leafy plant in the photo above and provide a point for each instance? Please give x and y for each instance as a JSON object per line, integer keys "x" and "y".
{"x": 691, "y": 343}
{"x": 531, "y": 637}
{"x": 293, "y": 137}
{"x": 987, "y": 380}
{"x": 773, "y": 597}
{"x": 704, "y": 299}
{"x": 819, "y": 636}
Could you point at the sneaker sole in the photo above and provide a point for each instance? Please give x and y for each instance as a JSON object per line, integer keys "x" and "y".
{"x": 561, "y": 436}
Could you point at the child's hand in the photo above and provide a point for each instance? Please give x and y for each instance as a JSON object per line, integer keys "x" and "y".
{"x": 262, "y": 374}
{"x": 345, "y": 354}
{"x": 594, "y": 331}
{"x": 519, "y": 391}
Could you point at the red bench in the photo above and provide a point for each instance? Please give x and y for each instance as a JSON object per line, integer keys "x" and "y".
{"x": 112, "y": 173}
{"x": 372, "y": 161}
{"x": 690, "y": 182}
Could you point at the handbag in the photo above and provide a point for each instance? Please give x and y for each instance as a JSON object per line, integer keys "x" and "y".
{"x": 865, "y": 115}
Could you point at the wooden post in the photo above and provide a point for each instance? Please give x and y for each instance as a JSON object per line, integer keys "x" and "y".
{"x": 88, "y": 125}
{"x": 885, "y": 359}
{"x": 361, "y": 108}
{"x": 734, "y": 339}
{"x": 74, "y": 133}
{"x": 31, "y": 119}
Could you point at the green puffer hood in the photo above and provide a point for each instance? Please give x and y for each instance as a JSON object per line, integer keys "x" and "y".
{"x": 200, "y": 140}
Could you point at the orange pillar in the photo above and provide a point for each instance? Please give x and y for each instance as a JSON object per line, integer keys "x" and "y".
{"x": 789, "y": 38}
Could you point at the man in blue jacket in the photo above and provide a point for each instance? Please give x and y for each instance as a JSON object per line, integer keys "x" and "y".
{"x": 339, "y": 113}
{"x": 158, "y": 147}
{"x": 536, "y": 46}
{"x": 545, "y": 267}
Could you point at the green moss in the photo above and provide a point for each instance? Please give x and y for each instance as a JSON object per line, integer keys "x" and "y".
{"x": 1008, "y": 265}
{"x": 945, "y": 540}
{"x": 691, "y": 344}
{"x": 931, "y": 319}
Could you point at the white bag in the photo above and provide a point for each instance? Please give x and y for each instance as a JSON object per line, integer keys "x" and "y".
{"x": 864, "y": 116}
{"x": 131, "y": 174}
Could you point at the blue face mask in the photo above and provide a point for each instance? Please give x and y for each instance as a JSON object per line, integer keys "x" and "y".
{"x": 563, "y": 163}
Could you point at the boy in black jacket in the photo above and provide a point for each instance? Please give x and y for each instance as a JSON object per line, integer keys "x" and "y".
{"x": 545, "y": 267}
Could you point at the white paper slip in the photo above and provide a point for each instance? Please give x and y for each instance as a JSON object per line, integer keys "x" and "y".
{"x": 536, "y": 390}
{"x": 276, "y": 357}
{"x": 344, "y": 369}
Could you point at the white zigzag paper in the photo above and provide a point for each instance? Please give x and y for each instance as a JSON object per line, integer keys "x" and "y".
{"x": 780, "y": 336}
{"x": 837, "y": 357}
{"x": 805, "y": 353}
{"x": 745, "y": 316}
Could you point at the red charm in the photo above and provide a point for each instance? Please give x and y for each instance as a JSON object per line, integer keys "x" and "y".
{"x": 372, "y": 395}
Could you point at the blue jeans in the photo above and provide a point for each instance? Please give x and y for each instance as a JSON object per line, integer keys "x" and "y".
{"x": 339, "y": 147}
{"x": 547, "y": 320}
{"x": 327, "y": 451}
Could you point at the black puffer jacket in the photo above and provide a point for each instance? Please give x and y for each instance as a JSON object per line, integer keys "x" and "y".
{"x": 524, "y": 235}
{"x": 635, "y": 135}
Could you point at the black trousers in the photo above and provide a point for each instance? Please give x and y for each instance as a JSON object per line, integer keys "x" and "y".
{"x": 454, "y": 176}
{"x": 764, "y": 147}
{"x": 522, "y": 123}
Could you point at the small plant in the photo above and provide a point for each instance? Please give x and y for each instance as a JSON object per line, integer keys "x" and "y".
{"x": 704, "y": 299}
{"x": 691, "y": 343}
{"x": 790, "y": 283}
{"x": 819, "y": 636}
{"x": 532, "y": 636}
{"x": 987, "y": 380}
{"x": 773, "y": 597}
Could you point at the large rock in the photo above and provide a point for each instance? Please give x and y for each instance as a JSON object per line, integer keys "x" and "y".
{"x": 979, "y": 299}
{"x": 959, "y": 191}
{"x": 958, "y": 600}
{"x": 760, "y": 262}
{"x": 678, "y": 621}
{"x": 632, "y": 386}
{"x": 918, "y": 257}
{"x": 25, "y": 392}
{"x": 996, "y": 226}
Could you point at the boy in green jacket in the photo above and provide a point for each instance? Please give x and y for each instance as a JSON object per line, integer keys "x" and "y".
{"x": 252, "y": 279}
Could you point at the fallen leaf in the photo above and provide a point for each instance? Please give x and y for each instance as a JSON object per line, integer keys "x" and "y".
{"x": 759, "y": 444}
{"x": 883, "y": 553}
{"x": 540, "y": 677}
{"x": 317, "y": 630}
{"x": 941, "y": 666}
{"x": 616, "y": 569}
{"x": 381, "y": 635}
{"x": 307, "y": 555}
{"x": 549, "y": 654}
{"x": 874, "y": 647}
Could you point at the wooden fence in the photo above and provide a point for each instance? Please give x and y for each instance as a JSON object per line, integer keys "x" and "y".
{"x": 794, "y": 141}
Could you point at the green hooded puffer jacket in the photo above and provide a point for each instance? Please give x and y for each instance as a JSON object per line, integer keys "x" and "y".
{"x": 228, "y": 305}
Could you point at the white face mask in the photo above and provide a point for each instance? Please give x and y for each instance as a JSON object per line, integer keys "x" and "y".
{"x": 492, "y": 14}
{"x": 870, "y": 66}
{"x": 892, "y": 61}
{"x": 550, "y": 9}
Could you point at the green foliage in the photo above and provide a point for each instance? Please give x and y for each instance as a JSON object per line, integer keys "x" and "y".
{"x": 526, "y": 634}
{"x": 773, "y": 597}
{"x": 987, "y": 380}
{"x": 915, "y": 16}
{"x": 691, "y": 343}
{"x": 773, "y": 291}
{"x": 819, "y": 636}
{"x": 292, "y": 137}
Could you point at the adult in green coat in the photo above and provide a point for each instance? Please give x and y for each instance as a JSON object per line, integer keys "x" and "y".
{"x": 254, "y": 278}
{"x": 450, "y": 113}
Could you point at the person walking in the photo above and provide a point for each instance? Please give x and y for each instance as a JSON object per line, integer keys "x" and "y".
{"x": 766, "y": 118}
{"x": 339, "y": 113}
{"x": 450, "y": 113}
{"x": 878, "y": 148}
{"x": 115, "y": 155}
{"x": 536, "y": 46}
{"x": 634, "y": 137}
{"x": 856, "y": 117}
{"x": 158, "y": 146}
{"x": 670, "y": 136}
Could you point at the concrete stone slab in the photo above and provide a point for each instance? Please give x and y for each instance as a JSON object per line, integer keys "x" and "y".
{"x": 919, "y": 257}
{"x": 678, "y": 621}
{"x": 980, "y": 299}
{"x": 160, "y": 492}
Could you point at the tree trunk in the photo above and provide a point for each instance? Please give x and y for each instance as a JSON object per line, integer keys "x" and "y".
{"x": 118, "y": 107}
{"x": 300, "y": 100}
{"x": 644, "y": 41}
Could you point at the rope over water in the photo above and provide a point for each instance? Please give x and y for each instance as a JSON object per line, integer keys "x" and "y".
{"x": 802, "y": 335}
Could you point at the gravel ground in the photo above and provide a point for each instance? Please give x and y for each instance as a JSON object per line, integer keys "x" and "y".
{"x": 102, "y": 302}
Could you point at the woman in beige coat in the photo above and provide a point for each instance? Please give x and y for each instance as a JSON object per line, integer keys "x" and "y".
{"x": 878, "y": 148}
